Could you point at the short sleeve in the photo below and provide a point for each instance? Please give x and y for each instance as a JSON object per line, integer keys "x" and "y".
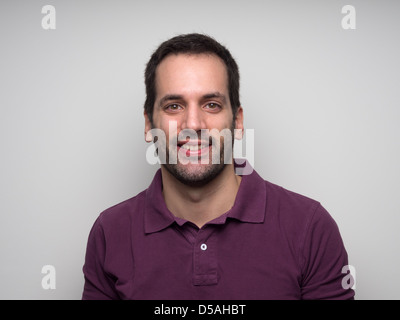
{"x": 322, "y": 260}
{"x": 98, "y": 284}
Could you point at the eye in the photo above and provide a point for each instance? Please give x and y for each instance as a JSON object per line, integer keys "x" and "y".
{"x": 213, "y": 106}
{"x": 173, "y": 107}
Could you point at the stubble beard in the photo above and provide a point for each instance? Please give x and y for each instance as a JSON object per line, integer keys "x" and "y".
{"x": 200, "y": 174}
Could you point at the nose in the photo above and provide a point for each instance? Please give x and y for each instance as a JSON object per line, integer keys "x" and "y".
{"x": 193, "y": 118}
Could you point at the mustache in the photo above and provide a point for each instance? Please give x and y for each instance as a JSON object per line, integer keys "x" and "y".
{"x": 201, "y": 137}
{"x": 204, "y": 137}
{"x": 186, "y": 136}
{"x": 216, "y": 144}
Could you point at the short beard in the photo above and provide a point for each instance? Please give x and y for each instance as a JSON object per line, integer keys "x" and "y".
{"x": 200, "y": 176}
{"x": 191, "y": 179}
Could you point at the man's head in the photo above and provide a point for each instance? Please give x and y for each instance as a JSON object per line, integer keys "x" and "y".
{"x": 191, "y": 81}
{"x": 191, "y": 44}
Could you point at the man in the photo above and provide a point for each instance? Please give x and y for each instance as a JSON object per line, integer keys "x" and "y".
{"x": 201, "y": 231}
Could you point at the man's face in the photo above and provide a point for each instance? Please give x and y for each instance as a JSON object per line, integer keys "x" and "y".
{"x": 192, "y": 92}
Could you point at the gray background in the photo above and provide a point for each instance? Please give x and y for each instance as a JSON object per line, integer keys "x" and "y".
{"x": 323, "y": 103}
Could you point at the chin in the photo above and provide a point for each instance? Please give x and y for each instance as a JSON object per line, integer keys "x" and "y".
{"x": 195, "y": 175}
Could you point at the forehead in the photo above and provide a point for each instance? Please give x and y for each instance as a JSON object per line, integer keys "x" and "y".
{"x": 178, "y": 73}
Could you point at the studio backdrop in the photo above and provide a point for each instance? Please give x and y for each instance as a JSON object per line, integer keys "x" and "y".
{"x": 319, "y": 89}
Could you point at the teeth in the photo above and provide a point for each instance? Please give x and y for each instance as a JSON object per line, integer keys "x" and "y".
{"x": 193, "y": 147}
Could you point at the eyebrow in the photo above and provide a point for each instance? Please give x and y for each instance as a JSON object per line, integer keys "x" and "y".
{"x": 212, "y": 95}
{"x": 170, "y": 97}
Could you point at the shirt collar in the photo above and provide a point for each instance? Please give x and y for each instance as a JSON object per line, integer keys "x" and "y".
{"x": 249, "y": 204}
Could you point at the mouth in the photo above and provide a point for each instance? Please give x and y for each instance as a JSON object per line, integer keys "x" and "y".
{"x": 194, "y": 148}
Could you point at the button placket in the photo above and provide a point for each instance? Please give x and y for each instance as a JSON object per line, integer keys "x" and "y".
{"x": 205, "y": 259}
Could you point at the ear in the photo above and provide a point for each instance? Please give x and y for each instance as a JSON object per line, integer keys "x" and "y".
{"x": 148, "y": 137}
{"x": 239, "y": 124}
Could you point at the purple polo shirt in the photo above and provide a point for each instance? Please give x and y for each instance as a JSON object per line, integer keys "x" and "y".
{"x": 272, "y": 244}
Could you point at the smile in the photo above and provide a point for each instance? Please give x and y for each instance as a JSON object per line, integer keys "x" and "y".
{"x": 190, "y": 149}
{"x": 194, "y": 147}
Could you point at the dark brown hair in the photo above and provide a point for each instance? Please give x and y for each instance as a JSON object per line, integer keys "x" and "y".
{"x": 193, "y": 43}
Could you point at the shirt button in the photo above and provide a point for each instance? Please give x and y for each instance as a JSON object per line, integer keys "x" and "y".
{"x": 203, "y": 247}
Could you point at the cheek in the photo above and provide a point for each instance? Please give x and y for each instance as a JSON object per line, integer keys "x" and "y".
{"x": 160, "y": 122}
{"x": 169, "y": 127}
{"x": 219, "y": 123}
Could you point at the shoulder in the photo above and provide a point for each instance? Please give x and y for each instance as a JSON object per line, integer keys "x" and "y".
{"x": 113, "y": 227}
{"x": 297, "y": 214}
{"x": 121, "y": 214}
{"x": 289, "y": 202}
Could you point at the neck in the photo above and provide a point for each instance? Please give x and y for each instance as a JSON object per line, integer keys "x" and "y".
{"x": 201, "y": 204}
